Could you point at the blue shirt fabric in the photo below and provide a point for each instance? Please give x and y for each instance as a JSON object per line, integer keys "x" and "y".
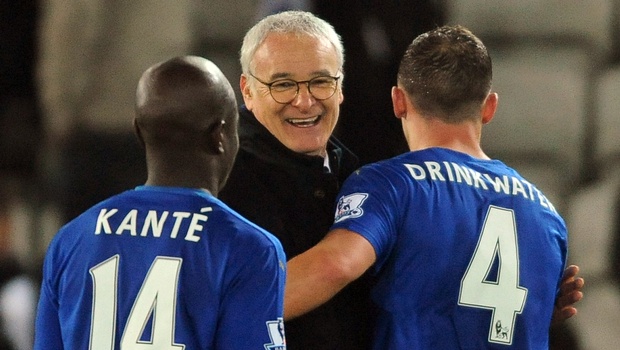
{"x": 469, "y": 253}
{"x": 170, "y": 268}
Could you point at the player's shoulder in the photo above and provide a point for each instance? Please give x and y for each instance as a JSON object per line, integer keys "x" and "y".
{"x": 74, "y": 226}
{"x": 392, "y": 168}
{"x": 235, "y": 224}
{"x": 412, "y": 157}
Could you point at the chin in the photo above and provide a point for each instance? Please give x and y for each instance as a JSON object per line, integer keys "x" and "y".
{"x": 308, "y": 148}
{"x": 312, "y": 151}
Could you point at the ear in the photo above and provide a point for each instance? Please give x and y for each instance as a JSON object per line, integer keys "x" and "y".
{"x": 399, "y": 102}
{"x": 489, "y": 107}
{"x": 215, "y": 138}
{"x": 246, "y": 91}
{"x": 138, "y": 133}
{"x": 340, "y": 94}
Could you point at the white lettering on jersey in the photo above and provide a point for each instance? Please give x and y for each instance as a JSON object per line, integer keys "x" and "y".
{"x": 452, "y": 172}
{"x": 153, "y": 223}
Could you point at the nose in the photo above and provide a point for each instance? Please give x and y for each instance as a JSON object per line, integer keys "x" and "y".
{"x": 304, "y": 98}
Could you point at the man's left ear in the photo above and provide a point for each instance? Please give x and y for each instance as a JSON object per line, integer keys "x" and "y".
{"x": 215, "y": 138}
{"x": 246, "y": 91}
{"x": 489, "y": 107}
{"x": 399, "y": 102}
{"x": 138, "y": 133}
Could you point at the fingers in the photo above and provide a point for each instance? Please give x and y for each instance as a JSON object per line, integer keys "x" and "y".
{"x": 564, "y": 308}
{"x": 570, "y": 282}
{"x": 570, "y": 293}
{"x": 570, "y": 272}
{"x": 575, "y": 285}
{"x": 561, "y": 315}
{"x": 568, "y": 299}
{"x": 568, "y": 312}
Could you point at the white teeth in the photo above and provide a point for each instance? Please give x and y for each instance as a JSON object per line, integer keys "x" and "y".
{"x": 303, "y": 122}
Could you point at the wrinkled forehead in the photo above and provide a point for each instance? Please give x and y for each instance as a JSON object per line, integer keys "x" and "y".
{"x": 290, "y": 55}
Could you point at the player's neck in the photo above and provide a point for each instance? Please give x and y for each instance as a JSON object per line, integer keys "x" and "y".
{"x": 463, "y": 137}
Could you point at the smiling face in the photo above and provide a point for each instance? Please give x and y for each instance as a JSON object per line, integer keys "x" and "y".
{"x": 305, "y": 124}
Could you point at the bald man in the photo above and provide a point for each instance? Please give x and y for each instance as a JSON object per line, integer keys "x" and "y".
{"x": 167, "y": 265}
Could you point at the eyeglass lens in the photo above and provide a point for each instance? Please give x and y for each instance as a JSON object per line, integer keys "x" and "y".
{"x": 285, "y": 90}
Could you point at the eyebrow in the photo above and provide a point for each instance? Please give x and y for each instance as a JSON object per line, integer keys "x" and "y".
{"x": 285, "y": 75}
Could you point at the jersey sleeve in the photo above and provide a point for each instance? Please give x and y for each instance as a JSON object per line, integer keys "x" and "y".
{"x": 252, "y": 310}
{"x": 47, "y": 324}
{"x": 366, "y": 205}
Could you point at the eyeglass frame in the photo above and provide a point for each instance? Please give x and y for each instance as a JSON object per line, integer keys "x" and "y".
{"x": 307, "y": 82}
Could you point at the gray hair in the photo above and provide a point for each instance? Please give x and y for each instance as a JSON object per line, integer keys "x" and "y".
{"x": 298, "y": 22}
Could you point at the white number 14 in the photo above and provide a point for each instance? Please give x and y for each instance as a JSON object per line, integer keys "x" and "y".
{"x": 156, "y": 301}
{"x": 504, "y": 296}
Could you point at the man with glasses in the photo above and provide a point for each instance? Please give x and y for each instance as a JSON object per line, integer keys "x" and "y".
{"x": 289, "y": 166}
{"x": 467, "y": 253}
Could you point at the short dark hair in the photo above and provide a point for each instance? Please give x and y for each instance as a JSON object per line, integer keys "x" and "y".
{"x": 447, "y": 73}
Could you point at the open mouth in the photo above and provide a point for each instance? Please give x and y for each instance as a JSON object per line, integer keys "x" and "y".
{"x": 305, "y": 123}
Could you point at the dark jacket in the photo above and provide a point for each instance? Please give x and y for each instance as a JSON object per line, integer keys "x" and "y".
{"x": 291, "y": 196}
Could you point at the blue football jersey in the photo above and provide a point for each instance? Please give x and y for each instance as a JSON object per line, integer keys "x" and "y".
{"x": 469, "y": 254}
{"x": 162, "y": 268}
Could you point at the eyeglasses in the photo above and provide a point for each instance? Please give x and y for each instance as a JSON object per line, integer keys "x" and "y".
{"x": 285, "y": 90}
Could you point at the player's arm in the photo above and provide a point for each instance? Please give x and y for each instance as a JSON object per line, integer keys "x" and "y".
{"x": 47, "y": 324}
{"x": 253, "y": 304}
{"x": 570, "y": 293}
{"x": 318, "y": 274}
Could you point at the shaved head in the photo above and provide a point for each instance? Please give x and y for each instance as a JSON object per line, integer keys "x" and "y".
{"x": 180, "y": 96}
{"x": 186, "y": 118}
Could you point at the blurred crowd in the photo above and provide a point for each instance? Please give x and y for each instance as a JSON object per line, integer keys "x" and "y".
{"x": 68, "y": 71}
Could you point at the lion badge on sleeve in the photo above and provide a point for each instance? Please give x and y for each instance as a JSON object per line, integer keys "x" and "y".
{"x": 350, "y": 206}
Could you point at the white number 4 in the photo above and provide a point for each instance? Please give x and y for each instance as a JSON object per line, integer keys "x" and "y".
{"x": 503, "y": 296}
{"x": 156, "y": 300}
